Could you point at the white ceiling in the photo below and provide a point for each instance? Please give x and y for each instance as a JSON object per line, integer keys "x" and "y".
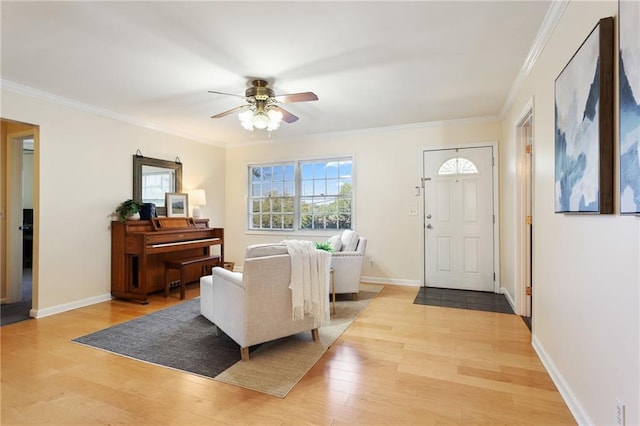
{"x": 372, "y": 64}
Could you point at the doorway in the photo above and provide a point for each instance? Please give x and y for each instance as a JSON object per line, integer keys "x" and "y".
{"x": 17, "y": 253}
{"x": 459, "y": 216}
{"x": 525, "y": 132}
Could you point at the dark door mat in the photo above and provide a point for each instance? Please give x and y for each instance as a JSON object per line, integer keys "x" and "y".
{"x": 463, "y": 299}
{"x": 15, "y": 312}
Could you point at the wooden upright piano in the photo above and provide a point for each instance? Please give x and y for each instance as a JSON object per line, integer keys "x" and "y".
{"x": 140, "y": 248}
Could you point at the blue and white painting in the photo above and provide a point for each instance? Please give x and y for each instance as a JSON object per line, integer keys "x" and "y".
{"x": 629, "y": 27}
{"x": 577, "y": 155}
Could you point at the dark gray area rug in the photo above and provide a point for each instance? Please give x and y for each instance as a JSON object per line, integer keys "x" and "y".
{"x": 177, "y": 337}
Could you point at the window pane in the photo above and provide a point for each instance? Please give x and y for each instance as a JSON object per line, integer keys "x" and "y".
{"x": 277, "y": 221}
{"x": 266, "y": 174}
{"x": 307, "y": 187}
{"x": 333, "y": 186}
{"x": 345, "y": 169}
{"x": 332, "y": 205}
{"x": 255, "y": 190}
{"x": 305, "y": 221}
{"x": 318, "y": 222}
{"x": 333, "y": 169}
{"x": 319, "y": 187}
{"x": 319, "y": 170}
{"x": 456, "y": 166}
{"x": 289, "y": 172}
{"x": 277, "y": 189}
{"x": 289, "y": 188}
{"x": 278, "y": 173}
{"x": 307, "y": 171}
{"x": 332, "y": 222}
{"x": 255, "y": 206}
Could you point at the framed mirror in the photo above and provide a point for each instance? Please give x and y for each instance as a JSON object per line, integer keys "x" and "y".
{"x": 153, "y": 178}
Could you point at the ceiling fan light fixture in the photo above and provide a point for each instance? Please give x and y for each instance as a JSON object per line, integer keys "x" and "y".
{"x": 246, "y": 119}
{"x": 260, "y": 120}
{"x": 269, "y": 119}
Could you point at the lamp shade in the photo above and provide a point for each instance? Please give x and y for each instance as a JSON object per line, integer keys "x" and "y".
{"x": 197, "y": 197}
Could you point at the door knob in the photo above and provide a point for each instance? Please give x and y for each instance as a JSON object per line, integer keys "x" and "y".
{"x": 429, "y": 226}
{"x": 428, "y": 215}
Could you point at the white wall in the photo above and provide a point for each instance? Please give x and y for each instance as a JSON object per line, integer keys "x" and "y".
{"x": 387, "y": 167}
{"x": 586, "y": 320}
{"x": 85, "y": 172}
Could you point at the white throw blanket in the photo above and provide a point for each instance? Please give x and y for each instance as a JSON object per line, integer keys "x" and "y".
{"x": 309, "y": 279}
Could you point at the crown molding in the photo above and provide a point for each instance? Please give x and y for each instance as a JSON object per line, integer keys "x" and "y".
{"x": 369, "y": 131}
{"x": 92, "y": 109}
{"x": 551, "y": 19}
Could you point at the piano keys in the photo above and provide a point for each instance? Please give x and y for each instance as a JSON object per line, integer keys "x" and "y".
{"x": 140, "y": 248}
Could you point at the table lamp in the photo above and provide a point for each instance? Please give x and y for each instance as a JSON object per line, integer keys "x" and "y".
{"x": 197, "y": 198}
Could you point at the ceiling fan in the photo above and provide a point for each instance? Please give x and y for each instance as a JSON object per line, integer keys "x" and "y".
{"x": 262, "y": 110}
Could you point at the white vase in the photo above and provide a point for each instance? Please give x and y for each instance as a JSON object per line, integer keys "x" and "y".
{"x": 134, "y": 216}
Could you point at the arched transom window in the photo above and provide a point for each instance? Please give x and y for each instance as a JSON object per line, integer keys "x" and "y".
{"x": 457, "y": 166}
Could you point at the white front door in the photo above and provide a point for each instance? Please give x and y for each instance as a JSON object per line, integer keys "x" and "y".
{"x": 459, "y": 218}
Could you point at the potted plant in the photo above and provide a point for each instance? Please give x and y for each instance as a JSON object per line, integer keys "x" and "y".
{"x": 127, "y": 209}
{"x": 324, "y": 246}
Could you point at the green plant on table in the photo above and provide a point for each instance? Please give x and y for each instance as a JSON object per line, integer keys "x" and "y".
{"x": 127, "y": 208}
{"x": 324, "y": 246}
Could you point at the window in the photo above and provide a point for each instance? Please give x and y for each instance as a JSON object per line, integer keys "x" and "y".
{"x": 313, "y": 195}
{"x": 457, "y": 166}
{"x": 272, "y": 196}
{"x": 325, "y": 199}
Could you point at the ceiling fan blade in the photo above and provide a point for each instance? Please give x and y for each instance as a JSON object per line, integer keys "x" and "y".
{"x": 224, "y": 93}
{"x": 297, "y": 97}
{"x": 286, "y": 115}
{"x": 222, "y": 114}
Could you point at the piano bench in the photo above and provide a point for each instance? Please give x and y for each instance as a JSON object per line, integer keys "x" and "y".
{"x": 181, "y": 265}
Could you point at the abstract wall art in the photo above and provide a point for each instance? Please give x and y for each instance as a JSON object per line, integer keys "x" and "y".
{"x": 584, "y": 129}
{"x": 629, "y": 96}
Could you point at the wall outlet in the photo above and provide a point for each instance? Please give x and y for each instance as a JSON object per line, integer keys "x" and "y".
{"x": 619, "y": 413}
{"x": 413, "y": 212}
{"x": 372, "y": 264}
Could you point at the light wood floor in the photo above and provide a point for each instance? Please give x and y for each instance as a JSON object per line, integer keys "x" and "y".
{"x": 398, "y": 364}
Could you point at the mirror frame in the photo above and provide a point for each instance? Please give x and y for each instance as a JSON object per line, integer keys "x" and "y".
{"x": 139, "y": 161}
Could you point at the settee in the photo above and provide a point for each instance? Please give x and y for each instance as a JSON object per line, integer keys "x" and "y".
{"x": 346, "y": 260}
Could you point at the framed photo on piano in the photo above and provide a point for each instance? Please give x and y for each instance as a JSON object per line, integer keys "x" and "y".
{"x": 177, "y": 204}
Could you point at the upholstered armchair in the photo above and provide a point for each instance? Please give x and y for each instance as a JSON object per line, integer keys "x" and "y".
{"x": 346, "y": 261}
{"x": 255, "y": 306}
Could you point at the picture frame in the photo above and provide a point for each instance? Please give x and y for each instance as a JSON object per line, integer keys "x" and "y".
{"x": 629, "y": 105}
{"x": 177, "y": 204}
{"x": 584, "y": 129}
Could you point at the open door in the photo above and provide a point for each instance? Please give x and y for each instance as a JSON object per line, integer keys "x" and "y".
{"x": 17, "y": 136}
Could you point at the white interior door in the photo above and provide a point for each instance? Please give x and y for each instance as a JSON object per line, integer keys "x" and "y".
{"x": 459, "y": 218}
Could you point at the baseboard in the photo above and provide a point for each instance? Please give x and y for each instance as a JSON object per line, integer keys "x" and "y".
{"x": 570, "y": 399}
{"x": 393, "y": 281}
{"x": 41, "y": 313}
{"x": 507, "y": 296}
